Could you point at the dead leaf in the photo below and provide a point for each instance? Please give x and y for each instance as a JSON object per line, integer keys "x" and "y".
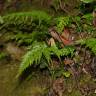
{"x": 66, "y": 34}
{"x": 54, "y": 34}
{"x": 68, "y": 61}
{"x": 66, "y": 37}
{"x": 66, "y": 42}
{"x": 51, "y": 42}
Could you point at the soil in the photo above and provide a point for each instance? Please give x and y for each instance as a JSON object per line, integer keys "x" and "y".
{"x": 37, "y": 84}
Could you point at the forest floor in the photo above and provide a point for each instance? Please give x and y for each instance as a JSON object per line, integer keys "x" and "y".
{"x": 36, "y": 84}
{"x": 10, "y": 86}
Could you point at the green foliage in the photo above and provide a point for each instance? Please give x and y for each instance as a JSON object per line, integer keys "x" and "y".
{"x": 87, "y": 1}
{"x": 78, "y": 24}
{"x": 84, "y": 23}
{"x": 27, "y": 17}
{"x": 26, "y": 20}
{"x": 62, "y": 22}
{"x": 32, "y": 56}
{"x": 26, "y": 27}
{"x": 62, "y": 72}
{"x": 87, "y": 23}
{"x": 88, "y": 17}
{"x": 26, "y": 38}
{"x": 29, "y": 27}
{"x": 89, "y": 42}
{"x": 41, "y": 50}
{"x": 2, "y": 55}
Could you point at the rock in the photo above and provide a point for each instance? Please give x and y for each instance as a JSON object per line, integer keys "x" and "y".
{"x": 14, "y": 51}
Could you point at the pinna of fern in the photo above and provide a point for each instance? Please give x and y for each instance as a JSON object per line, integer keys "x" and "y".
{"x": 27, "y": 39}
{"x": 41, "y": 50}
{"x": 89, "y": 43}
{"x": 26, "y": 27}
{"x": 25, "y": 19}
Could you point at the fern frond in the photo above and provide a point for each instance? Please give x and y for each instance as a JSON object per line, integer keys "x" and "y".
{"x": 62, "y": 22}
{"x": 29, "y": 38}
{"x": 41, "y": 50}
{"x": 23, "y": 17}
{"x": 88, "y": 17}
{"x": 62, "y": 52}
{"x": 32, "y": 56}
{"x": 90, "y": 43}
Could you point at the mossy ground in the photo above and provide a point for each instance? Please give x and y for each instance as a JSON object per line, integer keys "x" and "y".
{"x": 36, "y": 84}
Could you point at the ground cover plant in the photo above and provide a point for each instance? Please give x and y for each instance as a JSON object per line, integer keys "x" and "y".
{"x": 63, "y": 45}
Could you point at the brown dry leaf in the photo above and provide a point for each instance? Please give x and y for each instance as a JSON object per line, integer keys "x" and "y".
{"x": 51, "y": 42}
{"x": 66, "y": 42}
{"x": 55, "y": 35}
{"x": 66, "y": 34}
{"x": 68, "y": 61}
{"x": 66, "y": 37}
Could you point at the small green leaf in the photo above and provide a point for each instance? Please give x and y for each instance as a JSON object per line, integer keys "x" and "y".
{"x": 87, "y": 1}
{"x": 66, "y": 74}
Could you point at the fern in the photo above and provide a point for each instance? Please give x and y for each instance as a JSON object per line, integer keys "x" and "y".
{"x": 29, "y": 38}
{"x": 41, "y": 50}
{"x": 62, "y": 22}
{"x": 26, "y": 26}
{"x": 89, "y": 42}
{"x": 88, "y": 17}
{"x": 62, "y": 52}
{"x": 23, "y": 17}
{"x": 32, "y": 56}
{"x": 84, "y": 23}
{"x": 26, "y": 19}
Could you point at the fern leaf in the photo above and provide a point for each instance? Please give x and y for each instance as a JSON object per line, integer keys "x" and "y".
{"x": 62, "y": 22}
{"x": 40, "y": 50}
{"x": 33, "y": 56}
{"x": 47, "y": 54}
{"x": 27, "y": 17}
{"x": 89, "y": 42}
